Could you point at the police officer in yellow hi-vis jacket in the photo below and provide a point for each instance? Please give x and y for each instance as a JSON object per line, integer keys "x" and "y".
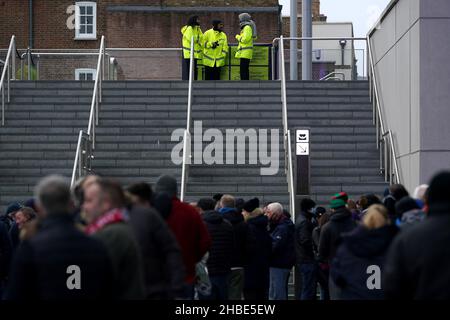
{"x": 191, "y": 29}
{"x": 245, "y": 44}
{"x": 215, "y": 50}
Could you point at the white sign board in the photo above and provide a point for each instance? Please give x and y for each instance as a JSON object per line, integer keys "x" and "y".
{"x": 302, "y": 149}
{"x": 302, "y": 136}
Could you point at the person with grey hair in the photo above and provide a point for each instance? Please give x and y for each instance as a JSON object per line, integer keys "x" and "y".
{"x": 59, "y": 262}
{"x": 188, "y": 228}
{"x": 245, "y": 44}
{"x": 282, "y": 232}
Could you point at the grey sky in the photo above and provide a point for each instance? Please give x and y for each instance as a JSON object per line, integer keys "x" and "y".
{"x": 363, "y": 13}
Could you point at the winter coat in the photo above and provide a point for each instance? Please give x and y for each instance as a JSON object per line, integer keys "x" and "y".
{"x": 303, "y": 239}
{"x": 240, "y": 229}
{"x": 417, "y": 262}
{"x": 40, "y": 269}
{"x": 191, "y": 234}
{"x": 163, "y": 264}
{"x": 126, "y": 258}
{"x": 221, "y": 251}
{"x": 361, "y": 249}
{"x": 340, "y": 222}
{"x": 258, "y": 253}
{"x": 5, "y": 251}
{"x": 283, "y": 250}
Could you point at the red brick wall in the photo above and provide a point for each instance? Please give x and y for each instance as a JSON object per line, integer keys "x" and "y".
{"x": 13, "y": 20}
{"x": 121, "y": 29}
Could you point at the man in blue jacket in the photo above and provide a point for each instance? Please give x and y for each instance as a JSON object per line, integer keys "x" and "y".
{"x": 283, "y": 253}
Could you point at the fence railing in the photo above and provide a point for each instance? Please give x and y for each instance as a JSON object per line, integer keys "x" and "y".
{"x": 385, "y": 139}
{"x": 187, "y": 132}
{"x": 8, "y": 72}
{"x": 86, "y": 141}
{"x": 286, "y": 133}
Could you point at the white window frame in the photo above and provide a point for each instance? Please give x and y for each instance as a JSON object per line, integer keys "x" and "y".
{"x": 84, "y": 36}
{"x": 80, "y": 71}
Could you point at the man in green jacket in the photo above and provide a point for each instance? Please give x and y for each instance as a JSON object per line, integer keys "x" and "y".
{"x": 104, "y": 208}
{"x": 245, "y": 44}
{"x": 191, "y": 29}
{"x": 215, "y": 50}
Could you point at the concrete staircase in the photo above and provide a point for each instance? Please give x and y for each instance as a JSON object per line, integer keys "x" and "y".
{"x": 137, "y": 120}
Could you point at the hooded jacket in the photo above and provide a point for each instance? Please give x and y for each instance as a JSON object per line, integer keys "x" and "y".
{"x": 361, "y": 249}
{"x": 417, "y": 262}
{"x": 340, "y": 222}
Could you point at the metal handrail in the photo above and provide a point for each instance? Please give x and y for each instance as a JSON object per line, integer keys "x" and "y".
{"x": 97, "y": 94}
{"x": 385, "y": 136}
{"x": 38, "y": 53}
{"x": 330, "y": 76}
{"x": 286, "y": 134}
{"x": 8, "y": 68}
{"x": 86, "y": 141}
{"x": 187, "y": 133}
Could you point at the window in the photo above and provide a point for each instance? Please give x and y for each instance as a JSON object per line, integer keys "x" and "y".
{"x": 86, "y": 20}
{"x": 85, "y": 74}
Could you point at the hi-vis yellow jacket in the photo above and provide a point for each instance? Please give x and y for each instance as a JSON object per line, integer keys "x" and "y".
{"x": 245, "y": 47}
{"x": 188, "y": 32}
{"x": 214, "y": 56}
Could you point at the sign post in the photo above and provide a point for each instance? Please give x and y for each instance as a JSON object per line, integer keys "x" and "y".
{"x": 302, "y": 180}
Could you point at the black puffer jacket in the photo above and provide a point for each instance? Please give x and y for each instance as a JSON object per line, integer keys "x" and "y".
{"x": 163, "y": 264}
{"x": 340, "y": 222}
{"x": 221, "y": 251}
{"x": 303, "y": 239}
{"x": 259, "y": 249}
{"x": 240, "y": 230}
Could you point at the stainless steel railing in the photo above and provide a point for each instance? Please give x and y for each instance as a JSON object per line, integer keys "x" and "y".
{"x": 187, "y": 133}
{"x": 385, "y": 139}
{"x": 86, "y": 141}
{"x": 9, "y": 71}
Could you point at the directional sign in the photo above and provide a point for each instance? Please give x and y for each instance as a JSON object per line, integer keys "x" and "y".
{"x": 302, "y": 149}
{"x": 302, "y": 136}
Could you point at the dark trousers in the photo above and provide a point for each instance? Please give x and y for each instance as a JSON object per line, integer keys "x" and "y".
{"x": 212, "y": 73}
{"x": 185, "y": 69}
{"x": 322, "y": 279}
{"x": 308, "y": 274}
{"x": 245, "y": 69}
{"x": 219, "y": 289}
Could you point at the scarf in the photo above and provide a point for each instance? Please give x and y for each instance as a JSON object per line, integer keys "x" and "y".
{"x": 114, "y": 216}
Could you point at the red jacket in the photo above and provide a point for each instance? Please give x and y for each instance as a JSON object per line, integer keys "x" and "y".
{"x": 191, "y": 234}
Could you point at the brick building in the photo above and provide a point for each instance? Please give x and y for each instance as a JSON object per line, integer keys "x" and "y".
{"x": 125, "y": 24}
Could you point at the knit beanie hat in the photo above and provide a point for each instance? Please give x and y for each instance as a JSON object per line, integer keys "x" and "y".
{"x": 341, "y": 195}
{"x": 167, "y": 184}
{"x": 251, "y": 205}
{"x": 339, "y": 200}
{"x": 439, "y": 192}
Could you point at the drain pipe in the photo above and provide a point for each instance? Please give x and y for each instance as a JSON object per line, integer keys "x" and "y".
{"x": 30, "y": 23}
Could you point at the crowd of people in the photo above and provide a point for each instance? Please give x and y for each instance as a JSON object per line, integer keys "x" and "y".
{"x": 100, "y": 240}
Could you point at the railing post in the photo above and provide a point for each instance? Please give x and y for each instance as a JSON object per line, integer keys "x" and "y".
{"x": 29, "y": 62}
{"x": 8, "y": 76}
{"x": 2, "y": 89}
{"x": 13, "y": 59}
{"x": 38, "y": 66}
